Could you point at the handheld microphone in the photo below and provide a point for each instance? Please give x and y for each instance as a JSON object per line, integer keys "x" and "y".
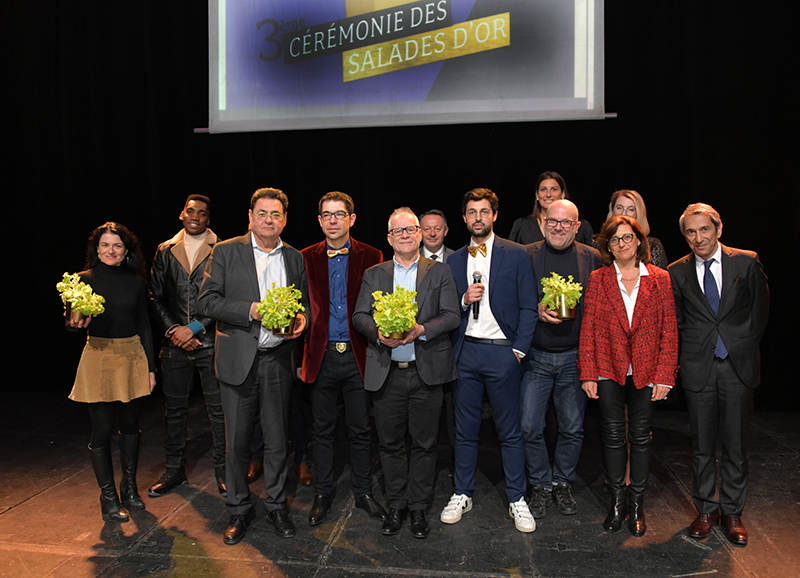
{"x": 476, "y": 278}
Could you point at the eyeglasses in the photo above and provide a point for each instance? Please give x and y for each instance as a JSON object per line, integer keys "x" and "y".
{"x": 263, "y": 215}
{"x": 565, "y": 223}
{"x": 626, "y": 238}
{"x": 629, "y": 211}
{"x": 397, "y": 231}
{"x": 340, "y": 215}
{"x": 472, "y": 213}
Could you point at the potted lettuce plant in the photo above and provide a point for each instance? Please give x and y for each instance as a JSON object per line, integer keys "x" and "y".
{"x": 279, "y": 307}
{"x": 395, "y": 314}
{"x": 561, "y": 295}
{"x": 78, "y": 298}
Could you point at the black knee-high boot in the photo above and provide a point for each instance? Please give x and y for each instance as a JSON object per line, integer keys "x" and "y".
{"x": 104, "y": 472}
{"x": 129, "y": 455}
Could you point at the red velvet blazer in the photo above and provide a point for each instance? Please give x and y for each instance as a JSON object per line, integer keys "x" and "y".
{"x": 608, "y": 344}
{"x": 360, "y": 258}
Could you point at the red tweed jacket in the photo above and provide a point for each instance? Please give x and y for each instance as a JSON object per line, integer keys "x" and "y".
{"x": 360, "y": 258}
{"x": 608, "y": 344}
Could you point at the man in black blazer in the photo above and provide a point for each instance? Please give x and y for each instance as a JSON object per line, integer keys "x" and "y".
{"x": 404, "y": 375}
{"x": 254, "y": 366}
{"x": 722, "y": 303}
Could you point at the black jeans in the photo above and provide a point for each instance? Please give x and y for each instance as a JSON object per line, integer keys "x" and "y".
{"x": 613, "y": 398}
{"x": 178, "y": 367}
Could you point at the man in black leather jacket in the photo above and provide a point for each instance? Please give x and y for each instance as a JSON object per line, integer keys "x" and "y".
{"x": 188, "y": 343}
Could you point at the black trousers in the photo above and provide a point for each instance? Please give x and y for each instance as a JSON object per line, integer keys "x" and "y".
{"x": 339, "y": 375}
{"x": 406, "y": 405}
{"x": 178, "y": 367}
{"x": 721, "y": 410}
{"x": 613, "y": 398}
{"x": 265, "y": 392}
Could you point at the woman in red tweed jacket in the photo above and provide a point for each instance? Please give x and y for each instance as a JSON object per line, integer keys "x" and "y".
{"x": 628, "y": 355}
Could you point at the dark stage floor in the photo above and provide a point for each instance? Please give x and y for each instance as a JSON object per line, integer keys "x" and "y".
{"x": 50, "y": 522}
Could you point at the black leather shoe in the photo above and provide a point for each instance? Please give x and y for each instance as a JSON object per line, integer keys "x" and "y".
{"x": 371, "y": 507}
{"x": 319, "y": 511}
{"x": 282, "y": 524}
{"x": 219, "y": 476}
{"x": 169, "y": 480}
{"x": 394, "y": 521}
{"x": 237, "y": 528}
{"x": 419, "y": 524}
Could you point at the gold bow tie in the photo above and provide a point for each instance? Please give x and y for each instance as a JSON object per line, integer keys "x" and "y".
{"x": 473, "y": 249}
{"x": 333, "y": 252}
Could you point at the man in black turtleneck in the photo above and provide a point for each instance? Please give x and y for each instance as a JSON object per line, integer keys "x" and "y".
{"x": 551, "y": 366}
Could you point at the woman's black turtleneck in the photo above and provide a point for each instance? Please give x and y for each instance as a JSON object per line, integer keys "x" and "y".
{"x": 125, "y": 312}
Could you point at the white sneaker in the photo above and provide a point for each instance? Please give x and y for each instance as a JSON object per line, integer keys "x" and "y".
{"x": 459, "y": 504}
{"x": 523, "y": 520}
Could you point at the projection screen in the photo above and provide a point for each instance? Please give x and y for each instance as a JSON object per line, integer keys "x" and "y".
{"x": 306, "y": 64}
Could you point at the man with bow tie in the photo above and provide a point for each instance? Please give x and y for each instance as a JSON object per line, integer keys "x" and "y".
{"x": 722, "y": 303}
{"x": 495, "y": 283}
{"x": 334, "y": 353}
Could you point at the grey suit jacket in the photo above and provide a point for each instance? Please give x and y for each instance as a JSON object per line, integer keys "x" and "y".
{"x": 742, "y": 319}
{"x": 446, "y": 253}
{"x": 437, "y": 311}
{"x": 230, "y": 287}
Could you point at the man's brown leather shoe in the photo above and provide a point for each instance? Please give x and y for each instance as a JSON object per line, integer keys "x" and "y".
{"x": 701, "y": 527}
{"x": 735, "y": 530}
{"x": 254, "y": 471}
{"x": 304, "y": 474}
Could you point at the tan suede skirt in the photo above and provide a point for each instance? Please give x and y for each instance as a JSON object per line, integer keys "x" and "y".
{"x": 111, "y": 370}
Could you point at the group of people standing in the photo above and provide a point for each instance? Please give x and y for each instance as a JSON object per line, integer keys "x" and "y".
{"x": 482, "y": 302}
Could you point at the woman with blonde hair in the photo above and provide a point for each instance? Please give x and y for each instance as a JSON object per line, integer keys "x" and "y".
{"x": 631, "y": 204}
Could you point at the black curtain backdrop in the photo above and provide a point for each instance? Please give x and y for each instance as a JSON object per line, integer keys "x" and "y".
{"x": 101, "y": 100}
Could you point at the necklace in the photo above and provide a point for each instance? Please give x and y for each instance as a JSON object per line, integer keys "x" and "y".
{"x": 630, "y": 278}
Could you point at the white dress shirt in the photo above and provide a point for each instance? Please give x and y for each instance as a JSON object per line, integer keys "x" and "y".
{"x": 486, "y": 326}
{"x": 439, "y": 254}
{"x": 716, "y": 270}
{"x": 269, "y": 268}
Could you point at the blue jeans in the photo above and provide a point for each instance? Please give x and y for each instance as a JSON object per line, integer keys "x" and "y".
{"x": 556, "y": 373}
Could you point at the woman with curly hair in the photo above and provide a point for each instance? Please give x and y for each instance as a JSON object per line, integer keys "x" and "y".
{"x": 117, "y": 365}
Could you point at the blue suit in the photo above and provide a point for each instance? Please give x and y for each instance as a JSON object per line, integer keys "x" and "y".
{"x": 494, "y": 368}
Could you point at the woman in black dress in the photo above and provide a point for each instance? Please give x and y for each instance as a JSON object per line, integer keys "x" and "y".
{"x": 117, "y": 365}
{"x": 550, "y": 186}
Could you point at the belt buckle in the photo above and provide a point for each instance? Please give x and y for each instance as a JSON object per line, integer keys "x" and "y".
{"x": 341, "y": 347}
{"x": 403, "y": 364}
